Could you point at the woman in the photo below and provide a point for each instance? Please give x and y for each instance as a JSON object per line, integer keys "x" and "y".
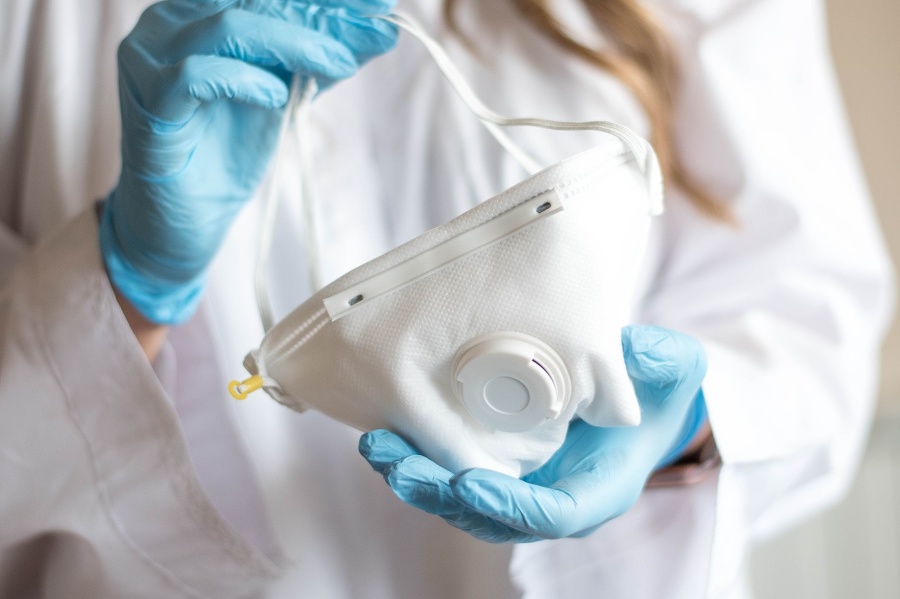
{"x": 126, "y": 479}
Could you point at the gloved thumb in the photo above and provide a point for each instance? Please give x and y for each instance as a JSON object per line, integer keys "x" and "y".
{"x": 662, "y": 363}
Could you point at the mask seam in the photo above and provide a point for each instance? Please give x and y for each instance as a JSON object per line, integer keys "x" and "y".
{"x": 300, "y": 343}
{"x": 567, "y": 190}
{"x": 299, "y": 330}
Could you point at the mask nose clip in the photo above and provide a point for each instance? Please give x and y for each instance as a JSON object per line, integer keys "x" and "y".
{"x": 510, "y": 381}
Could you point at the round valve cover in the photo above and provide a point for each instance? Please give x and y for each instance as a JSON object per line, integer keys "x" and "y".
{"x": 510, "y": 381}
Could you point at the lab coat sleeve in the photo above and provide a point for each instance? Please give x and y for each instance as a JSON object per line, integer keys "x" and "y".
{"x": 792, "y": 302}
{"x": 98, "y": 497}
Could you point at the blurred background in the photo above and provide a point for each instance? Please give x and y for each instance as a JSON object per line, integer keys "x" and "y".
{"x": 854, "y": 549}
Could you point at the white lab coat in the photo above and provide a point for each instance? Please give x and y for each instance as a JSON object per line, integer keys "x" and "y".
{"x": 118, "y": 479}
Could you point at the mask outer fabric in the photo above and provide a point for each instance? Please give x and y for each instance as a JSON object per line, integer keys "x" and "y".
{"x": 566, "y": 279}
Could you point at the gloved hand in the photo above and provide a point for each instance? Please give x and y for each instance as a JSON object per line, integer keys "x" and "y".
{"x": 595, "y": 476}
{"x": 202, "y": 85}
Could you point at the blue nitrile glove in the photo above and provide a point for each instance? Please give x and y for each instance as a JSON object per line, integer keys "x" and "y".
{"x": 202, "y": 86}
{"x": 595, "y": 476}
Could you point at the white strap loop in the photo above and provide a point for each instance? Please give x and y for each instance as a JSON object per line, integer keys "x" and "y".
{"x": 296, "y": 112}
{"x": 642, "y": 151}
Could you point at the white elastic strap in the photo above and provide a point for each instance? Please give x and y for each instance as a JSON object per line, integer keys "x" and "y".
{"x": 295, "y": 111}
{"x": 307, "y": 186}
{"x": 642, "y": 151}
{"x": 461, "y": 86}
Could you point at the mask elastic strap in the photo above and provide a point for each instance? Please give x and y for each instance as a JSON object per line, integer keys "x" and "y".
{"x": 463, "y": 90}
{"x": 642, "y": 151}
{"x": 296, "y": 115}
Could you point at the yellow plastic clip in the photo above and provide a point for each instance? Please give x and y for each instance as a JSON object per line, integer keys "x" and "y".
{"x": 241, "y": 391}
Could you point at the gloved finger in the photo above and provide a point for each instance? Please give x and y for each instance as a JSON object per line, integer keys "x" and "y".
{"x": 361, "y": 7}
{"x": 282, "y": 42}
{"x": 268, "y": 42}
{"x": 365, "y": 37}
{"x": 421, "y": 483}
{"x": 662, "y": 363}
{"x": 581, "y": 501}
{"x": 200, "y": 79}
{"x": 381, "y": 448}
{"x": 584, "y": 443}
{"x": 540, "y": 511}
{"x": 210, "y": 78}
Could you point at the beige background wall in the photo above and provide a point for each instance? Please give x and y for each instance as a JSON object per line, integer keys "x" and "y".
{"x": 865, "y": 41}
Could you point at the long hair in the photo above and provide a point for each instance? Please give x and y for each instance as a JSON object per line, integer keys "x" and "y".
{"x": 641, "y": 57}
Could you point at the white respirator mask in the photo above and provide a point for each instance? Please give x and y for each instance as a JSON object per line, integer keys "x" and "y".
{"x": 480, "y": 340}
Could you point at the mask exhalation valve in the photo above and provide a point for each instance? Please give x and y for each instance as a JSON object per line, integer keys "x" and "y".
{"x": 510, "y": 381}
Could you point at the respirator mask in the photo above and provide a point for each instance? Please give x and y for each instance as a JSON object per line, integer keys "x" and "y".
{"x": 480, "y": 340}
